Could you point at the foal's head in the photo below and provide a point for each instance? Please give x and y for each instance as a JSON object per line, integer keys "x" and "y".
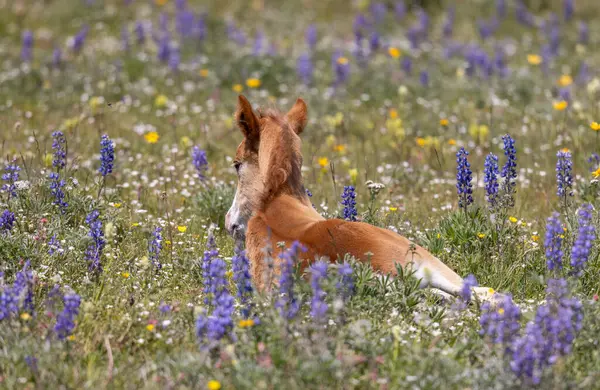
{"x": 267, "y": 161}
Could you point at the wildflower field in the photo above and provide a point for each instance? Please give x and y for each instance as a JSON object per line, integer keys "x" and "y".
{"x": 471, "y": 127}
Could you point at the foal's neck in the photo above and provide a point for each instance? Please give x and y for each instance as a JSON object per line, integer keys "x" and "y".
{"x": 289, "y": 216}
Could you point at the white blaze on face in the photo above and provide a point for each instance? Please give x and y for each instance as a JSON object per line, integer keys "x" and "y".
{"x": 233, "y": 215}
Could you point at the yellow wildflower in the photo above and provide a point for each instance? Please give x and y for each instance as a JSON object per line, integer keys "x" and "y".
{"x": 421, "y": 142}
{"x": 117, "y": 205}
{"x": 151, "y": 137}
{"x": 167, "y": 242}
{"x": 595, "y": 126}
{"x": 334, "y": 120}
{"x": 340, "y": 148}
{"x": 534, "y": 59}
{"x": 561, "y": 105}
{"x": 185, "y": 141}
{"x": 535, "y": 237}
{"x": 439, "y": 235}
{"x": 245, "y": 323}
{"x": 444, "y": 122}
{"x": 150, "y": 327}
{"x": 501, "y": 311}
{"x": 237, "y": 88}
{"x": 253, "y": 83}
{"x": 452, "y": 141}
{"x": 213, "y": 385}
{"x": 125, "y": 275}
{"x": 565, "y": 80}
{"x": 394, "y": 52}
{"x": 71, "y": 337}
{"x": 491, "y": 291}
{"x": 480, "y": 235}
{"x": 353, "y": 173}
{"x": 565, "y": 150}
{"x": 323, "y": 162}
{"x": 135, "y": 224}
{"x": 161, "y": 101}
{"x": 161, "y": 2}
{"x": 596, "y": 173}
{"x": 513, "y": 219}
{"x": 25, "y": 316}
{"x": 393, "y": 208}
{"x": 342, "y": 60}
{"x": 479, "y": 132}
{"x": 182, "y": 229}
{"x": 203, "y": 72}
{"x": 95, "y": 102}
{"x": 393, "y": 113}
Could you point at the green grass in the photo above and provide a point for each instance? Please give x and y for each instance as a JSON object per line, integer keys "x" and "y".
{"x": 381, "y": 125}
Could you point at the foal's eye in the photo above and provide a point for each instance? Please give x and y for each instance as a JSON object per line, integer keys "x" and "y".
{"x": 237, "y": 165}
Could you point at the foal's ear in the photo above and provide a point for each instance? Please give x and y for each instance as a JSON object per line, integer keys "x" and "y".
{"x": 246, "y": 120}
{"x": 297, "y": 116}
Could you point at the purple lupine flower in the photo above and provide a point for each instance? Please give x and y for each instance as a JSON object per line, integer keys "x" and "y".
{"x": 27, "y": 48}
{"x": 448, "y": 26}
{"x": 19, "y": 296}
{"x": 406, "y": 64}
{"x": 553, "y": 242}
{"x": 464, "y": 177}
{"x": 219, "y": 323}
{"x": 360, "y": 25}
{"x": 95, "y": 248}
{"x": 345, "y": 284}
{"x": 490, "y": 178}
{"x": 7, "y": 220}
{"x": 235, "y": 34}
{"x": 259, "y": 43}
{"x": 584, "y": 73}
{"x": 56, "y": 57}
{"x": 413, "y": 35}
{"x": 11, "y": 176}
{"x": 154, "y": 248}
{"x": 468, "y": 283}
{"x": 164, "y": 48}
{"x": 180, "y": 5}
{"x": 56, "y": 189}
{"x": 60, "y": 152}
{"x": 241, "y": 276}
{"x": 564, "y": 177}
{"x": 125, "y": 38}
{"x": 200, "y": 162}
{"x": 79, "y": 39}
{"x": 423, "y": 21}
{"x": 140, "y": 34}
{"x": 287, "y": 304}
{"x": 65, "y": 321}
{"x": 210, "y": 254}
{"x": 550, "y": 335}
{"x": 54, "y": 246}
{"x": 584, "y": 241}
{"x": 424, "y": 78}
{"x": 594, "y": 161}
{"x": 568, "y": 9}
{"x": 485, "y": 29}
{"x": 554, "y": 39}
{"x": 584, "y": 33}
{"x": 184, "y": 23}
{"x": 341, "y": 68}
{"x": 400, "y": 9}
{"x": 378, "y": 11}
{"x": 523, "y": 15}
{"x": 200, "y": 30}
{"x": 509, "y": 170}
{"x": 107, "y": 155}
{"x": 501, "y": 8}
{"x": 374, "y": 42}
{"x": 174, "y": 59}
{"x": 163, "y": 22}
{"x": 500, "y": 322}
{"x": 311, "y": 36}
{"x": 304, "y": 68}
{"x": 499, "y": 61}
{"x": 318, "y": 306}
{"x": 349, "y": 202}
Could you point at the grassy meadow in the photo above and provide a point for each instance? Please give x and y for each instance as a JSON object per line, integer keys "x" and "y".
{"x": 117, "y": 139}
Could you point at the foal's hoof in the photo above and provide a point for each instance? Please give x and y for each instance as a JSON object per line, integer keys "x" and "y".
{"x": 484, "y": 294}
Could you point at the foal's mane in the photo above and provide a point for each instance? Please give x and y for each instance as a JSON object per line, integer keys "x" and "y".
{"x": 280, "y": 157}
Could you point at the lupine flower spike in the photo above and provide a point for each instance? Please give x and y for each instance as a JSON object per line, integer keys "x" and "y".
{"x": 464, "y": 177}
